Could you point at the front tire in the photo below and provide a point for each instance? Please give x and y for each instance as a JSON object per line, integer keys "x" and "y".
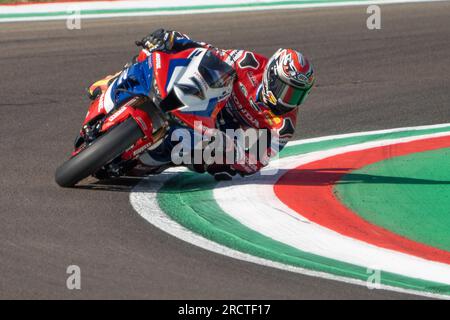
{"x": 99, "y": 153}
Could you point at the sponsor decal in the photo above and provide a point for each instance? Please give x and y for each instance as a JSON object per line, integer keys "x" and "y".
{"x": 101, "y": 102}
{"x": 234, "y": 56}
{"x": 224, "y": 96}
{"x": 244, "y": 112}
{"x": 158, "y": 61}
{"x": 199, "y": 77}
{"x": 117, "y": 114}
{"x": 243, "y": 89}
{"x": 252, "y": 79}
{"x": 142, "y": 122}
{"x": 150, "y": 61}
{"x": 141, "y": 149}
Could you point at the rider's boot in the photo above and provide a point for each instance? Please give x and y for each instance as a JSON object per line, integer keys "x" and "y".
{"x": 100, "y": 86}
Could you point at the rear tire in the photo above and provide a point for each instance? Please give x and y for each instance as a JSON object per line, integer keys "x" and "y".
{"x": 100, "y": 152}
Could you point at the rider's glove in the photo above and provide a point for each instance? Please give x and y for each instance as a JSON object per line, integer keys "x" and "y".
{"x": 159, "y": 39}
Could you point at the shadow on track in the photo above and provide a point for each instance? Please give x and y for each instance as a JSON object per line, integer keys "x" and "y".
{"x": 331, "y": 176}
{"x": 122, "y": 184}
{"x": 191, "y": 181}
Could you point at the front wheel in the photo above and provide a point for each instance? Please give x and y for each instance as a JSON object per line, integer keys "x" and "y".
{"x": 99, "y": 153}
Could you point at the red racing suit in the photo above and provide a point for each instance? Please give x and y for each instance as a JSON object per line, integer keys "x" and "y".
{"x": 244, "y": 109}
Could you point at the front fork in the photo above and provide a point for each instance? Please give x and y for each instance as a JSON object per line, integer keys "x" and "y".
{"x": 149, "y": 118}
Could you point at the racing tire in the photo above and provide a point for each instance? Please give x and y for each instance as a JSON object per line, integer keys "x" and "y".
{"x": 99, "y": 153}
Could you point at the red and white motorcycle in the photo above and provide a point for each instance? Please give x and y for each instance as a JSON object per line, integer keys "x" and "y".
{"x": 133, "y": 111}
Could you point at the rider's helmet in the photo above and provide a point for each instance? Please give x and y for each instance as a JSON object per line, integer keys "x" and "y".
{"x": 287, "y": 80}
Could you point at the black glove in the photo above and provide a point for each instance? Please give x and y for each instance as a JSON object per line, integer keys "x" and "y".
{"x": 159, "y": 39}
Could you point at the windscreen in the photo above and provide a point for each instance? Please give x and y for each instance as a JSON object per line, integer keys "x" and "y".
{"x": 216, "y": 73}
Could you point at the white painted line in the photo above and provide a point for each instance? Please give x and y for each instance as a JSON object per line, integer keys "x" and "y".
{"x": 367, "y": 133}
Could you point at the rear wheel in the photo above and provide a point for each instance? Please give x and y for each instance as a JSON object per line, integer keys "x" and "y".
{"x": 99, "y": 153}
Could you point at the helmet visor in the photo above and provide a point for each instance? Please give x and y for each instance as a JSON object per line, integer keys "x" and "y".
{"x": 287, "y": 95}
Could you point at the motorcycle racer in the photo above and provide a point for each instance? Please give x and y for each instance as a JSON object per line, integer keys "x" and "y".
{"x": 266, "y": 95}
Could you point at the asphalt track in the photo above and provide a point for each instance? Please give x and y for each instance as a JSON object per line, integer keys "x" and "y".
{"x": 367, "y": 80}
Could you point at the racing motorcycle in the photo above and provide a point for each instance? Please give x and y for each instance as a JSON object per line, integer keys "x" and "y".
{"x": 136, "y": 110}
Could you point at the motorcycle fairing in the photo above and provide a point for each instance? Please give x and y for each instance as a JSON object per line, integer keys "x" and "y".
{"x": 132, "y": 81}
{"x": 136, "y": 80}
{"x": 199, "y": 80}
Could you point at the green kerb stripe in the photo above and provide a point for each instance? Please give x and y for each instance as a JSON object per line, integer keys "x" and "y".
{"x": 188, "y": 199}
